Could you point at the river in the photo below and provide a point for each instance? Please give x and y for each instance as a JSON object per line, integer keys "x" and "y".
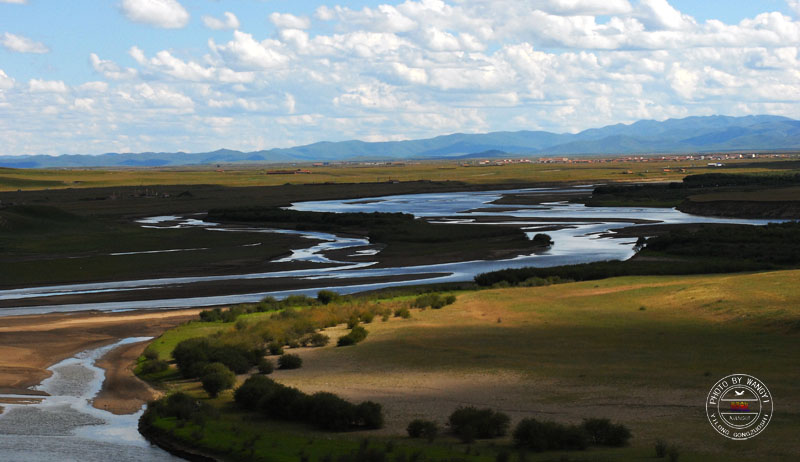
{"x": 581, "y": 235}
{"x": 65, "y": 426}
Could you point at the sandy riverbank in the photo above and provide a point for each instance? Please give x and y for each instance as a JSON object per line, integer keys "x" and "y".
{"x": 31, "y": 344}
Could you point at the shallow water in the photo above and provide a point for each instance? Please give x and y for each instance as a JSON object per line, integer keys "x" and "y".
{"x": 578, "y": 239}
{"x": 65, "y": 426}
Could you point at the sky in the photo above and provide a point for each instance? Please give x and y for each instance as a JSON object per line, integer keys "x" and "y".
{"x": 90, "y": 77}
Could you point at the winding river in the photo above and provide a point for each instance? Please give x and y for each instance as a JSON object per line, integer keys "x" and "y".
{"x": 581, "y": 234}
{"x": 65, "y": 426}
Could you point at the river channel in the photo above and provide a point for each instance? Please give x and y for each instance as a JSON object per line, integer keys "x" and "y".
{"x": 581, "y": 234}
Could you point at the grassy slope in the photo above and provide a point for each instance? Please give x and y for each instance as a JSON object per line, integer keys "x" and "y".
{"x": 579, "y": 350}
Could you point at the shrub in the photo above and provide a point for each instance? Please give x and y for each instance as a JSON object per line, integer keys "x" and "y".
{"x": 253, "y": 390}
{"x": 419, "y": 428}
{"x": 327, "y": 296}
{"x": 357, "y": 334}
{"x": 191, "y": 356}
{"x": 265, "y": 366}
{"x": 290, "y": 361}
{"x": 469, "y": 423}
{"x": 367, "y": 317}
{"x": 275, "y": 348}
{"x": 318, "y": 340}
{"x": 545, "y": 436}
{"x": 216, "y": 377}
{"x": 402, "y": 313}
{"x": 330, "y": 412}
{"x": 603, "y": 433}
{"x": 434, "y": 301}
{"x": 150, "y": 354}
{"x": 369, "y": 415}
{"x": 352, "y": 322}
{"x": 154, "y": 366}
{"x": 542, "y": 239}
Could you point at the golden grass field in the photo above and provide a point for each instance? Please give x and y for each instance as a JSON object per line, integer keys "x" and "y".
{"x": 642, "y": 351}
{"x": 250, "y": 175}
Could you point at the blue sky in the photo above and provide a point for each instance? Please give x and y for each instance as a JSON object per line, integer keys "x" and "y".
{"x": 88, "y": 76}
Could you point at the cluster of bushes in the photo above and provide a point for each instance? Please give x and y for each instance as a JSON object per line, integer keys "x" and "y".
{"x": 434, "y": 301}
{"x": 470, "y": 423}
{"x": 152, "y": 364}
{"x": 323, "y": 410}
{"x": 177, "y": 405}
{"x": 357, "y": 334}
{"x": 542, "y": 239}
{"x": 194, "y": 354}
{"x": 265, "y": 305}
{"x": 540, "y": 436}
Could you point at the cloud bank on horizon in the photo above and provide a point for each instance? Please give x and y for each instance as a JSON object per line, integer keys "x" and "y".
{"x": 169, "y": 75}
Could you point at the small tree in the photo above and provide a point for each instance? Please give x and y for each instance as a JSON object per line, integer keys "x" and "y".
{"x": 543, "y": 240}
{"x": 216, "y": 377}
{"x": 290, "y": 361}
{"x": 419, "y": 428}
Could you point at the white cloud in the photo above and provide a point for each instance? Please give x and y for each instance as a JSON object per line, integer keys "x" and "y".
{"x": 289, "y": 21}
{"x": 290, "y": 103}
{"x": 228, "y": 21}
{"x": 163, "y": 96}
{"x": 111, "y": 70}
{"x": 660, "y": 14}
{"x": 96, "y": 87}
{"x": 20, "y": 2}
{"x": 20, "y": 44}
{"x": 167, "y": 14}
{"x": 47, "y": 86}
{"x": 6, "y": 82}
{"x": 245, "y": 53}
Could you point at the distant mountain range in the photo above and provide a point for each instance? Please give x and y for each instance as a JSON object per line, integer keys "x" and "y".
{"x": 692, "y": 134}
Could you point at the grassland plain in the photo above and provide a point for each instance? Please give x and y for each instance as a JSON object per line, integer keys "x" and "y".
{"x": 254, "y": 175}
{"x": 643, "y": 351}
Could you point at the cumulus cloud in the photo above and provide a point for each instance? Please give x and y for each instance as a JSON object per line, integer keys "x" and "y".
{"x": 289, "y": 21}
{"x": 47, "y": 86}
{"x": 21, "y": 2}
{"x": 228, "y": 21}
{"x": 167, "y": 14}
{"x": 245, "y": 53}
{"x": 6, "y": 82}
{"x": 111, "y": 70}
{"x": 417, "y": 68}
{"x": 20, "y": 44}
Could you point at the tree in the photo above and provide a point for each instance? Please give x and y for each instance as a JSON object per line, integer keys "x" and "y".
{"x": 217, "y": 377}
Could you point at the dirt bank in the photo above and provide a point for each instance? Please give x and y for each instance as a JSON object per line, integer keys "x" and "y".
{"x": 31, "y": 344}
{"x": 123, "y": 392}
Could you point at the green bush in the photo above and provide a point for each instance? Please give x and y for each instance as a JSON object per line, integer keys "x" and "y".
{"x": 603, "y": 433}
{"x": 402, "y": 313}
{"x": 265, "y": 366}
{"x": 275, "y": 348}
{"x": 154, "y": 366}
{"x": 548, "y": 436}
{"x": 419, "y": 428}
{"x": 469, "y": 423}
{"x": 216, "y": 377}
{"x": 290, "y": 361}
{"x": 434, "y": 301}
{"x": 327, "y": 296}
{"x": 357, "y": 334}
{"x": 318, "y": 340}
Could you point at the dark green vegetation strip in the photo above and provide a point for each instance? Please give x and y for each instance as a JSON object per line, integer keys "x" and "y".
{"x": 678, "y": 195}
{"x": 380, "y": 227}
{"x": 705, "y": 249}
{"x": 42, "y": 244}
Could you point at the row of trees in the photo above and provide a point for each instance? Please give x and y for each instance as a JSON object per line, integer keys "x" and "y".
{"x": 324, "y": 410}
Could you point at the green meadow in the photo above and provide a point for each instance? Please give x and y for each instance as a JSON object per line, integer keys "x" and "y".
{"x": 641, "y": 351}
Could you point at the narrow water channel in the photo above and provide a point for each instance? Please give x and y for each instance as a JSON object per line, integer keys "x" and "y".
{"x": 65, "y": 426}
